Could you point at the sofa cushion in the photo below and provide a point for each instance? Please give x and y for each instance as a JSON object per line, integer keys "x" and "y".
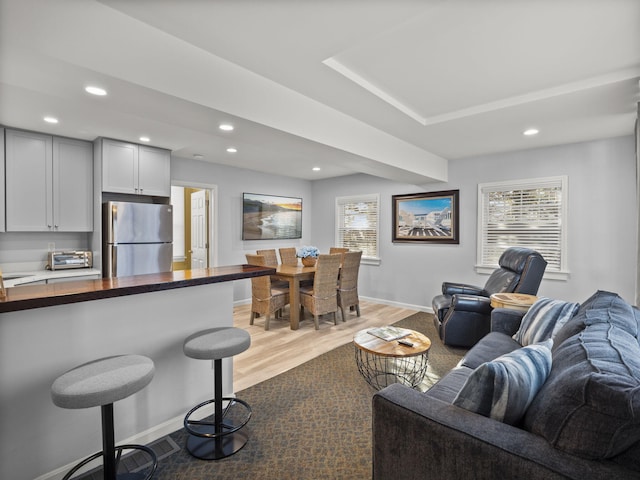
{"x": 491, "y": 346}
{"x": 448, "y": 386}
{"x": 590, "y": 405}
{"x": 544, "y": 319}
{"x": 503, "y": 388}
{"x": 601, "y": 307}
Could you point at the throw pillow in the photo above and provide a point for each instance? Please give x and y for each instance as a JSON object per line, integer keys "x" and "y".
{"x": 543, "y": 320}
{"x": 504, "y": 388}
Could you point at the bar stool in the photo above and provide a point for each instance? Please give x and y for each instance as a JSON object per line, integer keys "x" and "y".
{"x": 212, "y": 440}
{"x": 101, "y": 383}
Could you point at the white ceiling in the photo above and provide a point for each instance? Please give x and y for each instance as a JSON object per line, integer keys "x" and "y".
{"x": 393, "y": 89}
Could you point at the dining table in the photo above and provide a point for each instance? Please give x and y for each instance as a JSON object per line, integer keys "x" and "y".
{"x": 294, "y": 274}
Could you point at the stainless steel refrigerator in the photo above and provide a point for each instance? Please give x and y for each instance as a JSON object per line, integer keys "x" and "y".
{"x": 137, "y": 237}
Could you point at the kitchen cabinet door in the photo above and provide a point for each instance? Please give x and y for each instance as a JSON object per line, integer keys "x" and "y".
{"x": 29, "y": 183}
{"x": 72, "y": 185}
{"x": 2, "y": 208}
{"x": 154, "y": 174}
{"x": 49, "y": 183}
{"x": 119, "y": 166}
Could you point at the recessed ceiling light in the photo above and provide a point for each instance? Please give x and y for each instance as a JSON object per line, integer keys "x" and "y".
{"x": 232, "y": 149}
{"x": 226, "y": 127}
{"x": 50, "y": 119}
{"x": 95, "y": 91}
{"x": 316, "y": 169}
{"x": 145, "y": 139}
{"x": 198, "y": 156}
{"x": 531, "y": 131}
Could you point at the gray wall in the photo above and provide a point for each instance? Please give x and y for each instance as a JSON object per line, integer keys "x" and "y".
{"x": 601, "y": 217}
{"x": 602, "y": 221}
{"x": 231, "y": 183}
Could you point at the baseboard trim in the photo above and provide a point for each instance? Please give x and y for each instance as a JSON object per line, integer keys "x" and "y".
{"x": 421, "y": 308}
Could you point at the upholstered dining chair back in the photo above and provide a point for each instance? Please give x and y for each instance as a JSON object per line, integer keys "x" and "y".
{"x": 265, "y": 298}
{"x": 322, "y": 298}
{"x": 288, "y": 256}
{"x": 270, "y": 257}
{"x": 348, "y": 282}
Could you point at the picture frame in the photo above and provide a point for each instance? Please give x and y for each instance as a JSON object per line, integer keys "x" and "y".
{"x": 271, "y": 217}
{"x": 428, "y": 217}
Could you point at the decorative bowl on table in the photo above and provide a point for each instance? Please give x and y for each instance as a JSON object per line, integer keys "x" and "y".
{"x": 309, "y": 261}
{"x": 308, "y": 255}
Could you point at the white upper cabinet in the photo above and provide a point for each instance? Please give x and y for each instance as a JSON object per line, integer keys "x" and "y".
{"x": 2, "y": 223}
{"x": 49, "y": 183}
{"x": 72, "y": 185}
{"x": 136, "y": 169}
{"x": 154, "y": 171}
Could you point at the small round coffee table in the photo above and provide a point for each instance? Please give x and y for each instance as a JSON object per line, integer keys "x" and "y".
{"x": 382, "y": 362}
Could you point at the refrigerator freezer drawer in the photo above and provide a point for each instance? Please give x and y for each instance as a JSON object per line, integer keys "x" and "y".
{"x": 138, "y": 259}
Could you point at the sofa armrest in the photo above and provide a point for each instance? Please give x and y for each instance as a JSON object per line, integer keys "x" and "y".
{"x": 506, "y": 320}
{"x": 415, "y": 436}
{"x": 452, "y": 288}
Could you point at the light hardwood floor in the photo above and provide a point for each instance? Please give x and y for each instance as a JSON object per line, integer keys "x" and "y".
{"x": 280, "y": 349}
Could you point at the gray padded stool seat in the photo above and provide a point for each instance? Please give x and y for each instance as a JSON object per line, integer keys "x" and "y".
{"x": 220, "y": 437}
{"x": 101, "y": 383}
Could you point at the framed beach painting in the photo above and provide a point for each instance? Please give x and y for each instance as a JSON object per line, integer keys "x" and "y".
{"x": 430, "y": 217}
{"x": 271, "y": 217}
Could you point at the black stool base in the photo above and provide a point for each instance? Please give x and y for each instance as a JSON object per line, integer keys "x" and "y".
{"x": 216, "y": 448}
{"x": 121, "y": 476}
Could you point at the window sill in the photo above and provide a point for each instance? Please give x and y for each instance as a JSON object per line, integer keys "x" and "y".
{"x": 557, "y": 275}
{"x": 370, "y": 261}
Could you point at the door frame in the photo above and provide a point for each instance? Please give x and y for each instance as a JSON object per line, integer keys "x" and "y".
{"x": 213, "y": 215}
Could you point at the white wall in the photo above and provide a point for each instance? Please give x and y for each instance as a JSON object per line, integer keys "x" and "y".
{"x": 602, "y": 222}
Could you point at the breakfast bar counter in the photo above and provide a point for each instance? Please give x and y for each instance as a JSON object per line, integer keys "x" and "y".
{"x": 37, "y": 296}
{"x": 45, "y": 330}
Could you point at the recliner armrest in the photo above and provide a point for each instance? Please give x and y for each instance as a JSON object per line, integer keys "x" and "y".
{"x": 450, "y": 288}
{"x": 471, "y": 303}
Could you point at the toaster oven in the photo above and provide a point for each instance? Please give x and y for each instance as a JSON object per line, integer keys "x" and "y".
{"x": 71, "y": 259}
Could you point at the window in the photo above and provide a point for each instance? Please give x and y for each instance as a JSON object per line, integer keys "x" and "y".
{"x": 357, "y": 225}
{"x": 526, "y": 213}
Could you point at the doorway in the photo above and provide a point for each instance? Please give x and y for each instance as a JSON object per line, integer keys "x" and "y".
{"x": 194, "y": 227}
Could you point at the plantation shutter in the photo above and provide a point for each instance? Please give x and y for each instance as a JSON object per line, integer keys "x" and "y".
{"x": 357, "y": 223}
{"x": 524, "y": 213}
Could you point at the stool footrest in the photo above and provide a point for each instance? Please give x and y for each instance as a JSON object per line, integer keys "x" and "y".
{"x": 119, "y": 449}
{"x": 225, "y": 428}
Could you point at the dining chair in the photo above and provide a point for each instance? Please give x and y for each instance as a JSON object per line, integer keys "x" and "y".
{"x": 348, "y": 282}
{"x": 288, "y": 256}
{"x": 266, "y": 299}
{"x": 270, "y": 257}
{"x": 334, "y": 250}
{"x": 322, "y": 297}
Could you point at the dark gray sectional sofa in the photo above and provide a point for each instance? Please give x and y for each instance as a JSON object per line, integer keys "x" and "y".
{"x": 584, "y": 423}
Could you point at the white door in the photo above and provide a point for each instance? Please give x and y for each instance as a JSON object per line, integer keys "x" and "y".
{"x": 199, "y": 241}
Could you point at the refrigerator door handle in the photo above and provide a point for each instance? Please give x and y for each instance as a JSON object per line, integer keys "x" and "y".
{"x": 114, "y": 261}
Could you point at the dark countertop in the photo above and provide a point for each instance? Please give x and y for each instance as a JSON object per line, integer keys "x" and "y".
{"x": 38, "y": 296}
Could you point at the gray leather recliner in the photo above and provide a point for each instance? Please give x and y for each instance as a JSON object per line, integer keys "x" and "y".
{"x": 462, "y": 314}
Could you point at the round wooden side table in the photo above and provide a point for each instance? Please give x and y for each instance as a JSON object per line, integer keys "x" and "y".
{"x": 382, "y": 362}
{"x": 514, "y": 301}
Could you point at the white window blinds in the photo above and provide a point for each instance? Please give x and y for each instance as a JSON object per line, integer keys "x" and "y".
{"x": 525, "y": 213}
{"x": 357, "y": 223}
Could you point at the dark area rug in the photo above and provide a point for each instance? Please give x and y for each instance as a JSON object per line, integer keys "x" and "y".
{"x": 311, "y": 422}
